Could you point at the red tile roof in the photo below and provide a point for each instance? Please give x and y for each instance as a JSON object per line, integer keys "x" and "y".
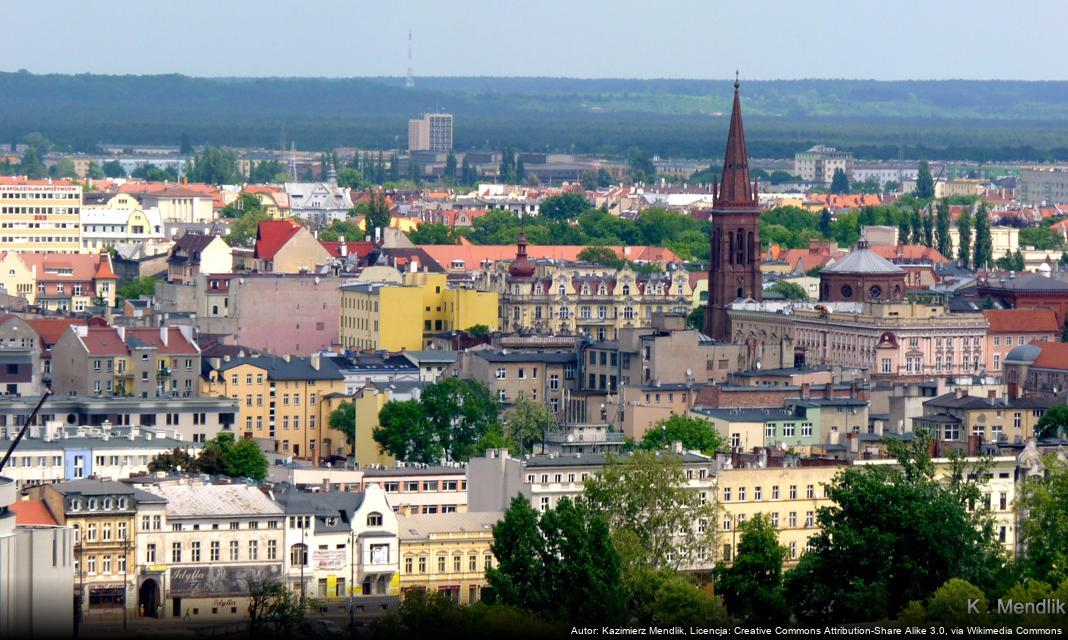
{"x": 33, "y": 512}
{"x": 52, "y": 329}
{"x": 1021, "y": 320}
{"x": 103, "y": 268}
{"x": 175, "y": 189}
{"x": 272, "y": 235}
{"x": 1054, "y": 355}
{"x": 358, "y": 248}
{"x": 104, "y": 341}
{"x": 473, "y": 255}
{"x": 909, "y": 252}
{"x": 847, "y": 200}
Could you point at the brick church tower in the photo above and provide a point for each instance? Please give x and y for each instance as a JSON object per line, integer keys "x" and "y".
{"x": 734, "y": 270}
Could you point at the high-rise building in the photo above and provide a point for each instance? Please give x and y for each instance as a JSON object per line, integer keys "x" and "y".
{"x": 819, "y": 163}
{"x": 40, "y": 216}
{"x": 432, "y": 132}
{"x": 735, "y": 259}
{"x": 1042, "y": 184}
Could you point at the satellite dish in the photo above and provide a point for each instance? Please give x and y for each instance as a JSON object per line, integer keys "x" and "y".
{"x": 689, "y": 373}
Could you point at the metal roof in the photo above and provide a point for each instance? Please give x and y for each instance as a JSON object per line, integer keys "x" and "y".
{"x": 420, "y": 527}
{"x": 863, "y": 260}
{"x": 214, "y": 500}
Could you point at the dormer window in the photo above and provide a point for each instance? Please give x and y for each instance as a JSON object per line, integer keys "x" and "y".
{"x": 92, "y": 504}
{"x": 561, "y": 290}
{"x": 76, "y": 504}
{"x": 538, "y": 290}
{"x": 602, "y": 290}
{"x": 374, "y": 519}
{"x": 585, "y": 289}
{"x": 626, "y": 289}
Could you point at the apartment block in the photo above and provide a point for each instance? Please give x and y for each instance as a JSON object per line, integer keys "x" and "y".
{"x": 40, "y": 216}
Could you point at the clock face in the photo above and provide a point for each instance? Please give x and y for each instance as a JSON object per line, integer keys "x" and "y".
{"x": 847, "y": 291}
{"x": 875, "y": 292}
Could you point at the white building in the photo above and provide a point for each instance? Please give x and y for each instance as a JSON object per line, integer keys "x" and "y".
{"x": 36, "y": 575}
{"x": 119, "y": 219}
{"x": 198, "y": 553}
{"x": 318, "y": 202}
{"x": 340, "y": 544}
{"x": 819, "y": 163}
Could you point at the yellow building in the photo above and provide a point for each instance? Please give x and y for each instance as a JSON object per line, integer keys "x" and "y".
{"x": 447, "y": 552}
{"x": 40, "y": 216}
{"x": 368, "y": 402}
{"x": 791, "y": 496}
{"x": 279, "y": 398}
{"x": 120, "y": 218}
{"x": 391, "y": 316}
{"x": 102, "y": 513}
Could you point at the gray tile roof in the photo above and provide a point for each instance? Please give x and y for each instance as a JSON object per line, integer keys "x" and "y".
{"x": 420, "y": 527}
{"x": 863, "y": 261}
{"x": 214, "y": 500}
{"x": 296, "y": 369}
{"x": 1026, "y": 282}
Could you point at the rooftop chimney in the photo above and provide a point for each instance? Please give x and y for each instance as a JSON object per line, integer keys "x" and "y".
{"x": 992, "y": 396}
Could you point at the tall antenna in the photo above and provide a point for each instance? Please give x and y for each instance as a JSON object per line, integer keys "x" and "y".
{"x": 293, "y": 162}
{"x": 409, "y": 81}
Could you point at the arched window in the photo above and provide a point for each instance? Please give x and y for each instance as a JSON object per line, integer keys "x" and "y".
{"x": 298, "y": 555}
{"x": 740, "y": 257}
{"x": 374, "y": 519}
{"x": 585, "y": 289}
{"x": 561, "y": 290}
{"x": 538, "y": 290}
{"x": 626, "y": 289}
{"x": 730, "y": 248}
{"x": 601, "y": 290}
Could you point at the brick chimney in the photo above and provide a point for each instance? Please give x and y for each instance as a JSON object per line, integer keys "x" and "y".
{"x": 806, "y": 390}
{"x": 974, "y": 441}
{"x": 991, "y": 397}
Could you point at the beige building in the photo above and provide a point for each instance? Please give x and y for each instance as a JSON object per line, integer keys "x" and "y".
{"x": 819, "y": 163}
{"x": 546, "y": 377}
{"x": 414, "y": 489}
{"x": 1002, "y": 240}
{"x": 1011, "y": 328}
{"x": 580, "y": 299}
{"x": 432, "y": 132}
{"x": 892, "y": 341}
{"x": 40, "y": 216}
{"x": 788, "y": 490}
{"x": 447, "y": 552}
{"x": 957, "y": 417}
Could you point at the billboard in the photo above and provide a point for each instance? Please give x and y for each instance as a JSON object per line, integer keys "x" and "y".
{"x": 211, "y": 581}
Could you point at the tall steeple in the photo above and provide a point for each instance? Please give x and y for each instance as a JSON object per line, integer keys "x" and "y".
{"x": 735, "y": 190}
{"x": 734, "y": 267}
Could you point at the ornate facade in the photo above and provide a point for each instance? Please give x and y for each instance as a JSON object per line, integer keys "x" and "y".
{"x": 735, "y": 243}
{"x": 582, "y": 299}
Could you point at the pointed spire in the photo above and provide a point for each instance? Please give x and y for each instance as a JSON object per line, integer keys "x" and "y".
{"x": 735, "y": 191}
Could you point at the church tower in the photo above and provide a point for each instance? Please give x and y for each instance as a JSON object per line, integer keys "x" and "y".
{"x": 734, "y": 270}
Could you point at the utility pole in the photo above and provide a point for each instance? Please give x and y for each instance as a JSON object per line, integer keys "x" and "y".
{"x": 352, "y": 576}
{"x": 125, "y": 584}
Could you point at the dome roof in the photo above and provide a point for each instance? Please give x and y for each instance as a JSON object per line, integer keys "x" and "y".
{"x": 864, "y": 260}
{"x": 521, "y": 267}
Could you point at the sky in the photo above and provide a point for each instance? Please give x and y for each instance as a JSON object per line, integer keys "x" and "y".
{"x": 708, "y": 39}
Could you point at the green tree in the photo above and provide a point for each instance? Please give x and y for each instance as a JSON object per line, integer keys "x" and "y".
{"x": 928, "y": 228}
{"x": 214, "y": 166}
{"x": 565, "y": 550}
{"x": 152, "y": 173}
{"x": 527, "y": 423}
{"x": 267, "y": 172}
{"x": 646, "y": 500}
{"x": 169, "y": 461}
{"x": 460, "y": 411}
{"x": 113, "y": 169}
{"x": 922, "y": 530}
{"x": 964, "y": 228}
{"x": 904, "y": 231}
{"x": 143, "y": 286}
{"x": 415, "y": 172}
{"x": 378, "y": 211}
{"x": 825, "y": 223}
{"x": 566, "y": 206}
{"x": 468, "y": 173}
{"x": 244, "y": 203}
{"x": 245, "y": 459}
{"x": 592, "y": 180}
{"x": 449, "y": 174}
{"x": 1044, "y": 530}
{"x": 404, "y": 432}
{"x": 945, "y": 245}
{"x": 950, "y": 604}
{"x": 839, "y": 182}
{"x": 752, "y": 586}
{"x": 924, "y": 182}
{"x": 1041, "y": 237}
{"x": 343, "y": 419}
{"x": 789, "y": 290}
{"x": 695, "y": 434}
{"x": 479, "y": 331}
{"x": 186, "y": 146}
{"x": 31, "y": 165}
{"x": 696, "y": 319}
{"x": 433, "y": 233}
{"x": 602, "y": 256}
{"x": 667, "y": 599}
{"x": 506, "y": 170}
{"x": 640, "y": 166}
{"x": 984, "y": 248}
{"x": 1011, "y": 261}
{"x": 243, "y": 230}
{"x": 341, "y": 228}
{"x": 520, "y": 170}
{"x": 394, "y": 168}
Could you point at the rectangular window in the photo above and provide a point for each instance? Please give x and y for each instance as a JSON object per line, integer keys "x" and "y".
{"x": 214, "y": 551}
{"x": 176, "y": 552}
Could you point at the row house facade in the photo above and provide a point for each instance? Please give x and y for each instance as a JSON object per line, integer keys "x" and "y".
{"x": 141, "y": 362}
{"x": 575, "y": 299}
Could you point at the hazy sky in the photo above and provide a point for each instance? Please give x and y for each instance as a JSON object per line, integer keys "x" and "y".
{"x": 766, "y": 39}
